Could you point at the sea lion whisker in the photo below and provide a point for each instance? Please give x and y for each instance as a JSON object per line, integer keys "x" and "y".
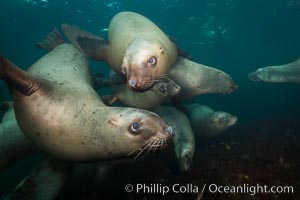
{"x": 156, "y": 145}
{"x": 162, "y": 75}
{"x": 141, "y": 151}
{"x": 140, "y": 148}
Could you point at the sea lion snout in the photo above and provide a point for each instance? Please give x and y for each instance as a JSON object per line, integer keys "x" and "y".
{"x": 139, "y": 85}
{"x": 254, "y": 76}
{"x": 132, "y": 83}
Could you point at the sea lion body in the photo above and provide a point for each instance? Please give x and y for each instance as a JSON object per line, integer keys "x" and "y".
{"x": 208, "y": 123}
{"x": 57, "y": 108}
{"x": 136, "y": 47}
{"x": 184, "y": 140}
{"x": 196, "y": 79}
{"x": 146, "y": 100}
{"x": 287, "y": 73}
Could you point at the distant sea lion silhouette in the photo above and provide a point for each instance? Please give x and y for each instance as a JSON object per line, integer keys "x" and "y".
{"x": 206, "y": 122}
{"x": 287, "y": 73}
{"x": 136, "y": 47}
{"x": 58, "y": 109}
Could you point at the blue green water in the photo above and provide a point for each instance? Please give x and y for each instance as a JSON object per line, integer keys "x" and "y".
{"x": 253, "y": 34}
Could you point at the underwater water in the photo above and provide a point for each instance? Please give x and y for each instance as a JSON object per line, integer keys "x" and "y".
{"x": 234, "y": 36}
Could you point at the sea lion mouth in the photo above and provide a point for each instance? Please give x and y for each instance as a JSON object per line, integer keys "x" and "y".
{"x": 254, "y": 77}
{"x": 142, "y": 85}
{"x": 232, "y": 88}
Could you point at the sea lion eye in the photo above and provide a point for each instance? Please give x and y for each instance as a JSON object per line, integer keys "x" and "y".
{"x": 163, "y": 89}
{"x": 222, "y": 119}
{"x": 152, "y": 60}
{"x": 135, "y": 127}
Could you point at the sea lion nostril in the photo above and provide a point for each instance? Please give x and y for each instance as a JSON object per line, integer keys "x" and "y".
{"x": 170, "y": 130}
{"x": 132, "y": 83}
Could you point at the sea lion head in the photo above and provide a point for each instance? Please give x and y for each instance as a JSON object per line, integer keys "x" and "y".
{"x": 227, "y": 85}
{"x": 258, "y": 75}
{"x": 139, "y": 131}
{"x": 222, "y": 120}
{"x": 268, "y": 74}
{"x": 167, "y": 87}
{"x": 144, "y": 63}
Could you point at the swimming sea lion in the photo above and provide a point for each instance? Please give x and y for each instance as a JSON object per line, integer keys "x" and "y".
{"x": 57, "y": 108}
{"x": 184, "y": 140}
{"x": 196, "y": 79}
{"x": 136, "y": 47}
{"x": 208, "y": 123}
{"x": 287, "y": 73}
{"x": 146, "y": 100}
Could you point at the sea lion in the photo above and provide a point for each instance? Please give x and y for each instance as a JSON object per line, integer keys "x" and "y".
{"x": 58, "y": 109}
{"x": 208, "y": 123}
{"x": 196, "y": 79}
{"x": 146, "y": 100}
{"x": 287, "y": 73}
{"x": 184, "y": 140}
{"x": 136, "y": 47}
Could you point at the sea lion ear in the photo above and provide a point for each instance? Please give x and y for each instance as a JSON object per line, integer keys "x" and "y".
{"x": 113, "y": 122}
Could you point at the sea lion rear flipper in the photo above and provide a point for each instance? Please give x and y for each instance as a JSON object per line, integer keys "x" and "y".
{"x": 52, "y": 40}
{"x": 88, "y": 43}
{"x": 17, "y": 79}
{"x": 44, "y": 181}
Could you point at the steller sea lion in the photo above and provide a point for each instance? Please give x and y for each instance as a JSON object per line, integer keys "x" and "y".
{"x": 58, "y": 109}
{"x": 136, "y": 47}
{"x": 184, "y": 140}
{"x": 196, "y": 79}
{"x": 287, "y": 73}
{"x": 146, "y": 100}
{"x": 208, "y": 123}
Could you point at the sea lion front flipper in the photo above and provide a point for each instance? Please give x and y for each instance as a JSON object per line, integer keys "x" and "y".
{"x": 52, "y": 40}
{"x": 17, "y": 79}
{"x": 44, "y": 181}
{"x": 88, "y": 43}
